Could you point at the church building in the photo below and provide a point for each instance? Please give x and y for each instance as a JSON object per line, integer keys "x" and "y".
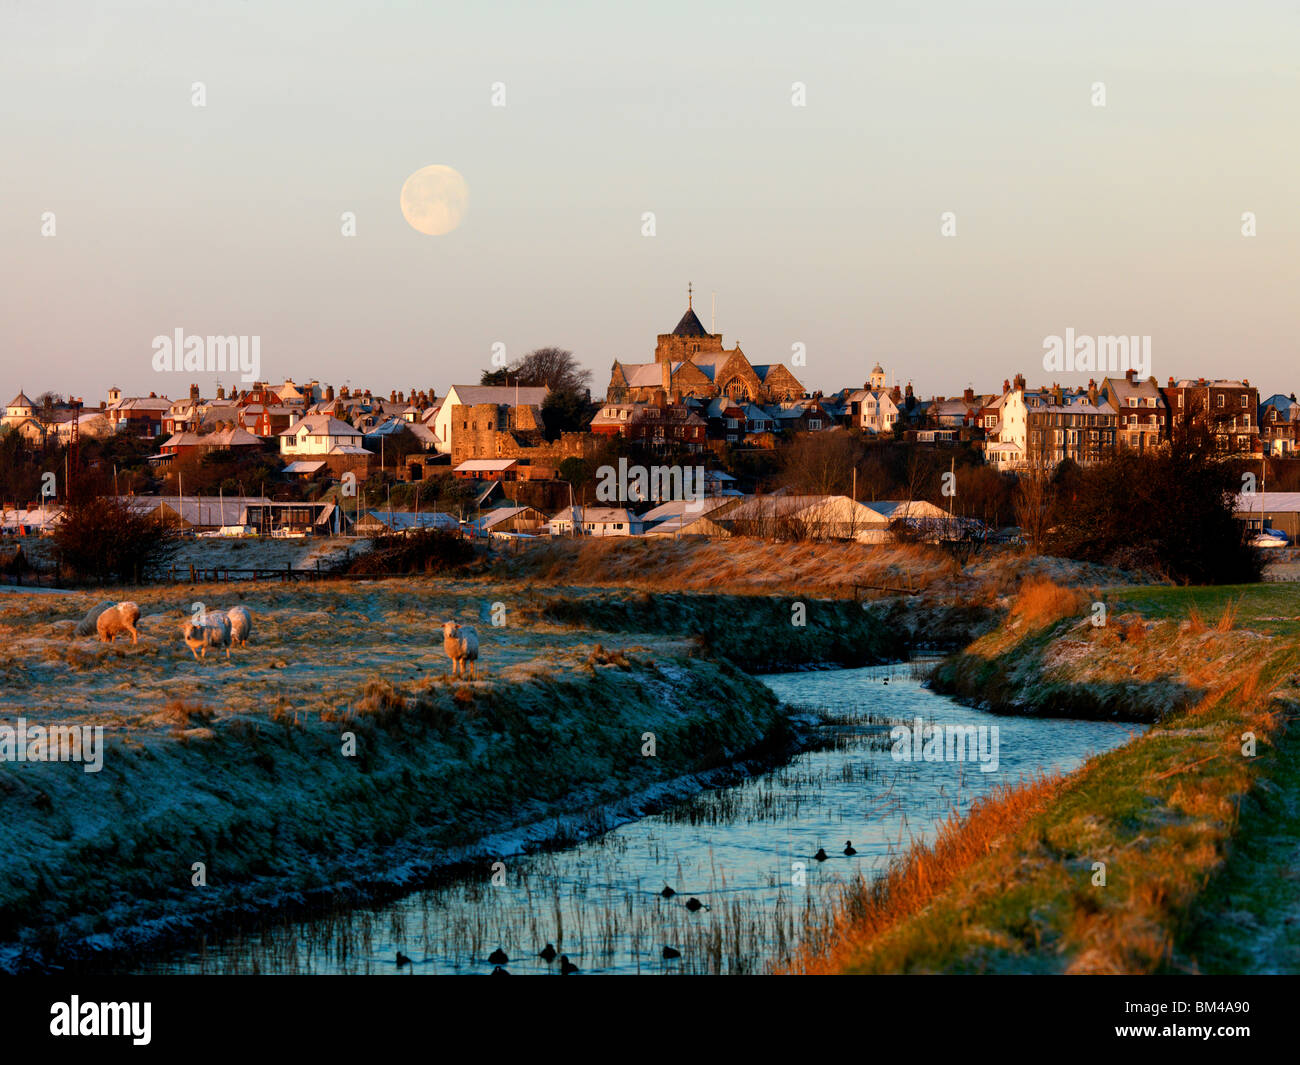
{"x": 690, "y": 362}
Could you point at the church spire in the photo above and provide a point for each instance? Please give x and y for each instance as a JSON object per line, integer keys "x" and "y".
{"x": 689, "y": 295}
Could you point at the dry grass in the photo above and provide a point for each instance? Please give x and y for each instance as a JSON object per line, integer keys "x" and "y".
{"x": 181, "y": 714}
{"x": 1041, "y": 601}
{"x": 868, "y": 911}
{"x": 1228, "y": 619}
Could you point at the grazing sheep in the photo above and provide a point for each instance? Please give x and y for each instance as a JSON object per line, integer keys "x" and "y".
{"x": 213, "y": 631}
{"x": 241, "y": 625}
{"x": 117, "y": 621}
{"x": 87, "y": 625}
{"x": 461, "y": 644}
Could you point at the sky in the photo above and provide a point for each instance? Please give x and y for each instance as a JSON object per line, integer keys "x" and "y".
{"x": 815, "y": 225}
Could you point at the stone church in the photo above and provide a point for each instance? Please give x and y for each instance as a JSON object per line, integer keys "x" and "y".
{"x": 690, "y": 362}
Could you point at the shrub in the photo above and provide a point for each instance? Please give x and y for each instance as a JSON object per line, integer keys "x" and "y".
{"x": 422, "y": 551}
{"x": 104, "y": 539}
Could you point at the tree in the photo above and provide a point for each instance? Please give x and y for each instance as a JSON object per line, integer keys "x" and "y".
{"x": 105, "y": 539}
{"x": 820, "y": 463}
{"x": 553, "y": 367}
{"x": 1035, "y": 504}
{"x": 1170, "y": 511}
{"x": 565, "y": 412}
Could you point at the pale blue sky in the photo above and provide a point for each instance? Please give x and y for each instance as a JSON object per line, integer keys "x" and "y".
{"x": 816, "y": 225}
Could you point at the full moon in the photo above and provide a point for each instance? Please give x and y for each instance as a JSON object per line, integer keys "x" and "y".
{"x": 434, "y": 200}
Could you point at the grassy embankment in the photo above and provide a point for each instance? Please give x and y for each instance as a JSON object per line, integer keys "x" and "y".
{"x": 240, "y": 764}
{"x": 1199, "y": 841}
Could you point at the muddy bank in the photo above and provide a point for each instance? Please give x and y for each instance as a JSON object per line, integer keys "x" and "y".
{"x": 280, "y": 816}
{"x": 763, "y": 634}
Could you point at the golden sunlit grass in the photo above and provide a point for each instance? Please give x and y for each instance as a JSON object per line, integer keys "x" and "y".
{"x": 868, "y": 911}
{"x": 1041, "y": 601}
{"x": 1015, "y": 887}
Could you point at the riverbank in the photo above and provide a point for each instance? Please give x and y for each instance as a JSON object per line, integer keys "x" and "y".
{"x": 1150, "y": 858}
{"x": 242, "y": 764}
{"x": 298, "y": 810}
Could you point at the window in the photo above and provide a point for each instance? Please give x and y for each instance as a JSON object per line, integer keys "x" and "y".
{"x": 1243, "y": 399}
{"x": 1220, "y": 399}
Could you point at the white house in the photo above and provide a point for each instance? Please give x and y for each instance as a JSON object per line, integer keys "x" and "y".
{"x": 596, "y": 521}
{"x": 319, "y": 434}
{"x": 872, "y": 410}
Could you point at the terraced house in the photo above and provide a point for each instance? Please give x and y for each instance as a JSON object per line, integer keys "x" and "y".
{"x": 1044, "y": 427}
{"x": 1229, "y": 408}
{"x": 1142, "y": 416}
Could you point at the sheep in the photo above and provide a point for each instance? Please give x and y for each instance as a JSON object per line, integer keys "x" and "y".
{"x": 241, "y": 625}
{"x": 461, "y": 644}
{"x": 212, "y": 631}
{"x": 87, "y": 625}
{"x": 118, "y": 620}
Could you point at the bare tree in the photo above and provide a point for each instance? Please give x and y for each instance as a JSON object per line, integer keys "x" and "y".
{"x": 820, "y": 463}
{"x": 1035, "y": 503}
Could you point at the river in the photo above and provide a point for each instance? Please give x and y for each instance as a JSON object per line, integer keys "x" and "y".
{"x": 746, "y": 852}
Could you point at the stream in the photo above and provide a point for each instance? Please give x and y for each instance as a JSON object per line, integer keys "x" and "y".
{"x": 745, "y": 852}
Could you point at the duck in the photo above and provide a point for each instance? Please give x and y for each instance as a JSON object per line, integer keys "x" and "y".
{"x": 667, "y": 892}
{"x": 694, "y": 904}
{"x": 547, "y": 953}
{"x": 821, "y": 854}
{"x": 566, "y": 966}
{"x": 498, "y": 971}
{"x": 848, "y": 848}
{"x": 402, "y": 959}
{"x": 670, "y": 953}
{"x": 498, "y": 957}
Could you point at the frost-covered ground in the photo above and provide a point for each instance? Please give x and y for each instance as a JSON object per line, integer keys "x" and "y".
{"x": 240, "y": 764}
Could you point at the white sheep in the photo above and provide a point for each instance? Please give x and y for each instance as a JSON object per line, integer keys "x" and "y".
{"x": 241, "y": 625}
{"x": 212, "y": 631}
{"x": 461, "y": 644}
{"x": 117, "y": 621}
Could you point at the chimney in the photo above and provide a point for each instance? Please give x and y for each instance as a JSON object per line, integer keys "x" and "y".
{"x": 329, "y": 393}
{"x": 1020, "y": 382}
{"x": 1092, "y": 392}
{"x": 194, "y": 393}
{"x": 392, "y": 397}
{"x": 968, "y": 396}
{"x": 1006, "y": 386}
{"x": 221, "y": 391}
{"x": 1171, "y": 382}
{"x": 1130, "y": 376}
